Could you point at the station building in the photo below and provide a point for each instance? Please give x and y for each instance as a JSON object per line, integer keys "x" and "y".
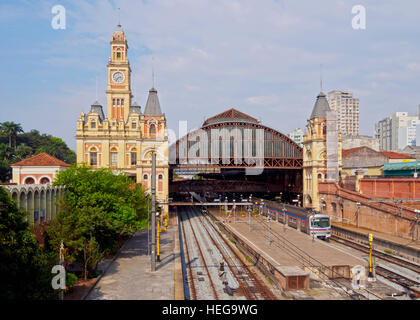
{"x": 123, "y": 137}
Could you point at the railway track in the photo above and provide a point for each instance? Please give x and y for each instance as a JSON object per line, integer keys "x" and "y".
{"x": 396, "y": 278}
{"x": 249, "y": 283}
{"x": 200, "y": 280}
{"x": 205, "y": 247}
{"x": 392, "y": 276}
{"x": 381, "y": 255}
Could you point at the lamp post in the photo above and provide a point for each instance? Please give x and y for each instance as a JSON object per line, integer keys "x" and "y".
{"x": 262, "y": 207}
{"x": 148, "y": 226}
{"x": 249, "y": 218}
{"x": 234, "y": 211}
{"x": 153, "y": 212}
{"x": 226, "y": 207}
{"x": 358, "y": 204}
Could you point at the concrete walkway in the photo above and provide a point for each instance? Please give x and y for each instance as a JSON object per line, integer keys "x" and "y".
{"x": 129, "y": 277}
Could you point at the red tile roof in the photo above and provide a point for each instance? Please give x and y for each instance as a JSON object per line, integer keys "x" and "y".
{"x": 388, "y": 154}
{"x": 41, "y": 160}
{"x": 396, "y": 155}
{"x": 231, "y": 114}
{"x": 347, "y": 151}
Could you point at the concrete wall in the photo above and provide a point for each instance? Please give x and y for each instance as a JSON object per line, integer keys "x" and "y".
{"x": 341, "y": 205}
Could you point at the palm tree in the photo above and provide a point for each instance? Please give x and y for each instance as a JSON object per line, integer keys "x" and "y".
{"x": 11, "y": 129}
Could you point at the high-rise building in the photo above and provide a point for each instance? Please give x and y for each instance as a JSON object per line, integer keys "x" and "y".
{"x": 297, "y": 136}
{"x": 383, "y": 132}
{"x": 125, "y": 139}
{"x": 347, "y": 110}
{"x": 400, "y": 120}
{"x": 407, "y": 134}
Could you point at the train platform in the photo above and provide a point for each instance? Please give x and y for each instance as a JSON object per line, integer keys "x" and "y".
{"x": 320, "y": 253}
{"x": 129, "y": 276}
{"x": 380, "y": 235}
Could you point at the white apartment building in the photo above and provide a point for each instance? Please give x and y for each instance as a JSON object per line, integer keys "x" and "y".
{"x": 347, "y": 109}
{"x": 407, "y": 136}
{"x": 401, "y": 127}
{"x": 297, "y": 136}
{"x": 383, "y": 132}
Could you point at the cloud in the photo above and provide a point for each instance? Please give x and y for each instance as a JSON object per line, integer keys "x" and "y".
{"x": 261, "y": 57}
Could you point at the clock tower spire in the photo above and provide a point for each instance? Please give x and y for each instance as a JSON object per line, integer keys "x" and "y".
{"x": 119, "y": 78}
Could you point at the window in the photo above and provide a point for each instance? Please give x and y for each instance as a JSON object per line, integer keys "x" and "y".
{"x": 114, "y": 157}
{"x": 45, "y": 180}
{"x": 321, "y": 222}
{"x": 29, "y": 181}
{"x": 134, "y": 125}
{"x": 133, "y": 157}
{"x": 118, "y": 102}
{"x": 160, "y": 183}
{"x": 152, "y": 129}
{"x": 93, "y": 157}
{"x": 145, "y": 177}
{"x": 93, "y": 125}
{"x": 118, "y": 55}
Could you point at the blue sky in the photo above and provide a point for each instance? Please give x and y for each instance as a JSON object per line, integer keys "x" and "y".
{"x": 261, "y": 57}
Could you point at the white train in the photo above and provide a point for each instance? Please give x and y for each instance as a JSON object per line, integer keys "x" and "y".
{"x": 314, "y": 223}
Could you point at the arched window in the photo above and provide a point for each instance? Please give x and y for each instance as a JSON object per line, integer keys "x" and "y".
{"x": 145, "y": 181}
{"x": 133, "y": 156}
{"x": 29, "y": 181}
{"x": 152, "y": 129}
{"x": 93, "y": 157}
{"x": 160, "y": 182}
{"x": 45, "y": 180}
{"x": 114, "y": 157}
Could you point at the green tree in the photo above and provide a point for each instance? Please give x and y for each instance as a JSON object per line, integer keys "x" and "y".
{"x": 11, "y": 129}
{"x": 27, "y": 144}
{"x": 25, "y": 271}
{"x": 97, "y": 210}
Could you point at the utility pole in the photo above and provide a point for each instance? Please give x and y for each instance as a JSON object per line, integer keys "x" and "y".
{"x": 370, "y": 275}
{"x": 61, "y": 293}
{"x": 417, "y": 224}
{"x": 234, "y": 211}
{"x": 153, "y": 211}
{"x": 249, "y": 218}
{"x": 148, "y": 225}
{"x": 358, "y": 213}
{"x": 269, "y": 229}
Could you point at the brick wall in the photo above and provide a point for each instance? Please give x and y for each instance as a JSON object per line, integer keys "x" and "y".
{"x": 341, "y": 204}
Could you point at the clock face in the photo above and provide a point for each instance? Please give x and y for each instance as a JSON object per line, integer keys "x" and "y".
{"x": 118, "y": 77}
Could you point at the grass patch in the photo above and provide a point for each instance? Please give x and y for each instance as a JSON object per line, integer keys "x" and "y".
{"x": 389, "y": 251}
{"x": 247, "y": 258}
{"x": 231, "y": 240}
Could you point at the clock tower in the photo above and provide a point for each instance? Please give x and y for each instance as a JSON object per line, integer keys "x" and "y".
{"x": 119, "y": 83}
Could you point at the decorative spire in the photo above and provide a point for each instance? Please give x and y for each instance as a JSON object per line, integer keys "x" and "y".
{"x": 152, "y": 106}
{"x": 321, "y": 107}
